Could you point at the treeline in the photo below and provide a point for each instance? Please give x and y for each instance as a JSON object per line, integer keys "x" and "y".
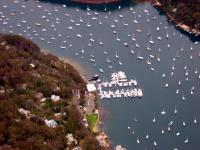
{"x": 26, "y": 76}
{"x": 184, "y": 11}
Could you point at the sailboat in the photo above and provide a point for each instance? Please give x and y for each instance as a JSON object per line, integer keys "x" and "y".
{"x": 148, "y": 47}
{"x": 148, "y": 61}
{"x": 140, "y": 57}
{"x": 133, "y": 37}
{"x": 116, "y": 55}
{"x": 195, "y": 119}
{"x": 151, "y": 40}
{"x": 175, "y": 110}
{"x": 163, "y": 112}
{"x": 158, "y": 57}
{"x": 167, "y": 35}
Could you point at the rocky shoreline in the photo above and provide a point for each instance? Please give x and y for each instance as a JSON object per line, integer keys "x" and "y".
{"x": 182, "y": 26}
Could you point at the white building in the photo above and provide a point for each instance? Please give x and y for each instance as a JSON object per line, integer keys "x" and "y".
{"x": 91, "y": 87}
{"x": 55, "y": 98}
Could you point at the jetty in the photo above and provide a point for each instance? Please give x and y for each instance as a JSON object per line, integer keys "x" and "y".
{"x": 122, "y": 87}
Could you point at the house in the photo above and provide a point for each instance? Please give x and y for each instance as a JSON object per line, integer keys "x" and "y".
{"x": 55, "y": 98}
{"x": 71, "y": 139}
{"x": 91, "y": 87}
{"x": 2, "y": 89}
{"x": 24, "y": 112}
{"x": 51, "y": 123}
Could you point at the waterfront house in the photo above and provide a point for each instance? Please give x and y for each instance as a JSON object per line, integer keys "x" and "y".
{"x": 91, "y": 87}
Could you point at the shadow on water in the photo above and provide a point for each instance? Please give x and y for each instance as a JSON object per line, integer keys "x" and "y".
{"x": 100, "y": 7}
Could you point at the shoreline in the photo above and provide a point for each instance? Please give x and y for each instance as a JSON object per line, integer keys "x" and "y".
{"x": 85, "y": 75}
{"x": 180, "y": 25}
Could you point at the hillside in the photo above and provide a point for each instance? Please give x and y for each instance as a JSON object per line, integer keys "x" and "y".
{"x": 184, "y": 11}
{"x": 37, "y": 110}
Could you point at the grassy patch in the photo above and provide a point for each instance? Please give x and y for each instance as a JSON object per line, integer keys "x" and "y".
{"x": 92, "y": 120}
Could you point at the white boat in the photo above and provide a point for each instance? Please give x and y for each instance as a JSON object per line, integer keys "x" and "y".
{"x": 133, "y": 37}
{"x": 137, "y": 45}
{"x": 148, "y": 61}
{"x": 138, "y": 141}
{"x": 163, "y": 112}
{"x": 37, "y": 24}
{"x": 140, "y": 57}
{"x": 93, "y": 60}
{"x": 154, "y": 120}
{"x": 120, "y": 63}
{"x": 167, "y": 35}
{"x": 183, "y": 97}
{"x": 184, "y": 124}
{"x": 186, "y": 140}
{"x": 178, "y": 133}
{"x": 101, "y": 70}
{"x": 175, "y": 110}
{"x": 78, "y": 35}
{"x": 154, "y": 143}
{"x": 195, "y": 120}
{"x": 166, "y": 85}
{"x": 151, "y": 40}
{"x": 108, "y": 60}
{"x": 162, "y": 131}
{"x": 116, "y": 55}
{"x": 148, "y": 47}
{"x": 147, "y": 136}
{"x": 163, "y": 75}
{"x": 158, "y": 57}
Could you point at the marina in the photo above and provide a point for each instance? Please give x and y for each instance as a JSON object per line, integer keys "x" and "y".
{"x": 154, "y": 102}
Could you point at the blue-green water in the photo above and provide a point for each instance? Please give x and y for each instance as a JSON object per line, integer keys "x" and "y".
{"x": 55, "y": 20}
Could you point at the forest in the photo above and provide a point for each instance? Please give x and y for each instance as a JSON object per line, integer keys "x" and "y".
{"x": 184, "y": 11}
{"x": 28, "y": 79}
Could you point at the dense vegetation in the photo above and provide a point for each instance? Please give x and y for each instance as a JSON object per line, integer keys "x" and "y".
{"x": 26, "y": 76}
{"x": 184, "y": 11}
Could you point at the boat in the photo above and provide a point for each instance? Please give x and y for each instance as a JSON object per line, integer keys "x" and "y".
{"x": 167, "y": 35}
{"x": 166, "y": 85}
{"x": 101, "y": 70}
{"x": 158, "y": 57}
{"x": 195, "y": 120}
{"x": 147, "y": 136}
{"x": 186, "y": 140}
{"x": 148, "y": 61}
{"x": 116, "y": 55}
{"x": 163, "y": 112}
{"x": 108, "y": 60}
{"x": 151, "y": 40}
{"x": 138, "y": 141}
{"x": 133, "y": 37}
{"x": 140, "y": 57}
{"x": 175, "y": 110}
{"x": 154, "y": 143}
{"x": 183, "y": 97}
{"x": 163, "y": 75}
{"x": 162, "y": 131}
{"x": 178, "y": 133}
{"x": 154, "y": 120}
{"x": 137, "y": 45}
{"x": 148, "y": 47}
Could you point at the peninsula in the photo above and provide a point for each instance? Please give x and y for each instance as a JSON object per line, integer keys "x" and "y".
{"x": 42, "y": 101}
